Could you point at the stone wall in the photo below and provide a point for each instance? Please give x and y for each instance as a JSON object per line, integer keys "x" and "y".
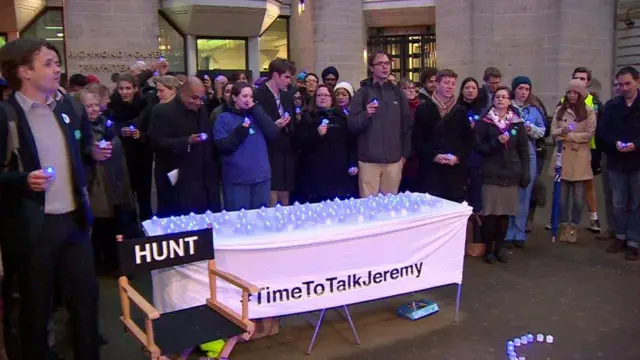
{"x": 544, "y": 39}
{"x": 329, "y": 32}
{"x": 302, "y": 38}
{"x": 340, "y": 38}
{"x": 106, "y": 36}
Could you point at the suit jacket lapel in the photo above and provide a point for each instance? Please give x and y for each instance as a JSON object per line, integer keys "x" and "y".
{"x": 61, "y": 118}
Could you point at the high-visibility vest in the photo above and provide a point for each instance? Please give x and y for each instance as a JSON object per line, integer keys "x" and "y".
{"x": 589, "y": 102}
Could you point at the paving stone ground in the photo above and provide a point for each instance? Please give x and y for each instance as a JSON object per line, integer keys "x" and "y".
{"x": 587, "y": 299}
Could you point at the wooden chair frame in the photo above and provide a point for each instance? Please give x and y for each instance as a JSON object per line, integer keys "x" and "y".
{"x": 128, "y": 294}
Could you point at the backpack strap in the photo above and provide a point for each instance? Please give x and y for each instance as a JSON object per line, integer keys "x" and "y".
{"x": 13, "y": 141}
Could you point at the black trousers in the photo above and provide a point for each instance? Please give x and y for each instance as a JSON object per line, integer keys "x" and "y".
{"x": 64, "y": 252}
{"x": 494, "y": 229}
{"x": 140, "y": 168}
{"x": 13, "y": 265}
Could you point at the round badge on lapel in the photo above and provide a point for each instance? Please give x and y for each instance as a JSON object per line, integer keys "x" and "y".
{"x": 77, "y": 134}
{"x": 513, "y": 132}
{"x": 66, "y": 119}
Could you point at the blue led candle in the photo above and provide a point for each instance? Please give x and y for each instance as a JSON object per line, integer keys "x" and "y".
{"x": 49, "y": 170}
{"x": 325, "y": 122}
{"x": 374, "y": 101}
{"x": 203, "y": 136}
{"x": 298, "y": 110}
{"x": 102, "y": 144}
{"x": 132, "y": 128}
{"x": 286, "y": 114}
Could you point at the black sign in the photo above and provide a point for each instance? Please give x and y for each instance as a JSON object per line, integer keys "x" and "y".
{"x": 159, "y": 252}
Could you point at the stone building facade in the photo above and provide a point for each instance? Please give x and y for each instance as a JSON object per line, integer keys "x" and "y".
{"x": 544, "y": 39}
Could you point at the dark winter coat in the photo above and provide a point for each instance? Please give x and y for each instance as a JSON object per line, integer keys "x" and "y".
{"x": 323, "y": 168}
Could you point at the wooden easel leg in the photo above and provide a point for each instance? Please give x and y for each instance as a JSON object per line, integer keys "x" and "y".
{"x": 227, "y": 348}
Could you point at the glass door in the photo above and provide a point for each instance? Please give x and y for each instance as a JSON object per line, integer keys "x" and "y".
{"x": 409, "y": 53}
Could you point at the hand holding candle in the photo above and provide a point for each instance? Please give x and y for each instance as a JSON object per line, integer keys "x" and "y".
{"x": 504, "y": 138}
{"x": 322, "y": 129}
{"x": 195, "y": 139}
{"x": 246, "y": 122}
{"x": 625, "y": 147}
{"x": 101, "y": 150}
{"x": 40, "y": 180}
{"x": 372, "y": 107}
{"x": 283, "y": 121}
{"x": 126, "y": 131}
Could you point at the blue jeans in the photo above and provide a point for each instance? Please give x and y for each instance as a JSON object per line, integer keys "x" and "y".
{"x": 626, "y": 205}
{"x": 518, "y": 224}
{"x": 571, "y": 190}
{"x": 246, "y": 196}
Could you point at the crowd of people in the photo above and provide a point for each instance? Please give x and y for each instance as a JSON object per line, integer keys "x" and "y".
{"x": 78, "y": 164}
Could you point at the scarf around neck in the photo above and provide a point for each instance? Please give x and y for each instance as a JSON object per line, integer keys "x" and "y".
{"x": 443, "y": 107}
{"x": 502, "y": 124}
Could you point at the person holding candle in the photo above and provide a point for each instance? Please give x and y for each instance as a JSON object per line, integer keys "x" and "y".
{"x": 240, "y": 134}
{"x": 45, "y": 216}
{"x": 110, "y": 195}
{"x": 474, "y": 107}
{"x": 501, "y": 141}
{"x": 619, "y": 133}
{"x": 442, "y": 140}
{"x": 573, "y": 126}
{"x": 327, "y": 167}
{"x": 127, "y": 109}
{"x": 186, "y": 171}
{"x": 380, "y": 117}
{"x": 275, "y": 99}
{"x": 530, "y": 112}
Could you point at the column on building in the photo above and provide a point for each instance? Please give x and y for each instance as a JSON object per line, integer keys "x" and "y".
{"x": 125, "y": 31}
{"x": 191, "y": 48}
{"x": 329, "y": 33}
{"x": 543, "y": 39}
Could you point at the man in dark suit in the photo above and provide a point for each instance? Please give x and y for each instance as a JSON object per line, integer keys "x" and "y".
{"x": 45, "y": 216}
{"x": 277, "y": 102}
{"x": 181, "y": 135}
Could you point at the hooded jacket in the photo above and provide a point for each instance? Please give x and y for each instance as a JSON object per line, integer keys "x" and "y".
{"x": 385, "y": 137}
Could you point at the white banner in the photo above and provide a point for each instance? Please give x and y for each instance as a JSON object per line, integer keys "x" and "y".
{"x": 337, "y": 265}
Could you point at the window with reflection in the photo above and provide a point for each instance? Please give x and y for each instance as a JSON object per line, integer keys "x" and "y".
{"x": 171, "y": 45}
{"x": 274, "y": 43}
{"x": 49, "y": 26}
{"x": 222, "y": 54}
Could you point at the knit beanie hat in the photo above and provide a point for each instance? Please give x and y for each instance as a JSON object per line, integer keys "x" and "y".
{"x": 577, "y": 86}
{"x": 344, "y": 85}
{"x": 301, "y": 76}
{"x": 520, "y": 80}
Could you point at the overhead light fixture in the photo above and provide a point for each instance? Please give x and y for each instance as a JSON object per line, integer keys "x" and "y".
{"x": 54, "y": 39}
{"x": 300, "y": 7}
{"x": 53, "y": 27}
{"x": 365, "y": 54}
{"x": 60, "y": 34}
